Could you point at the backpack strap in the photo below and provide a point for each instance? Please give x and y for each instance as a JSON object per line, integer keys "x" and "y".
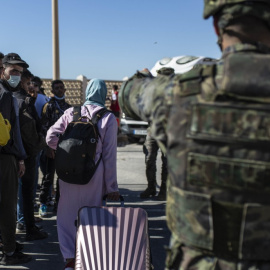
{"x": 98, "y": 115}
{"x": 76, "y": 113}
{"x": 94, "y": 120}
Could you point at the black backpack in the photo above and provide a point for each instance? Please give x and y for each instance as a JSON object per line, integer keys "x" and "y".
{"x": 76, "y": 149}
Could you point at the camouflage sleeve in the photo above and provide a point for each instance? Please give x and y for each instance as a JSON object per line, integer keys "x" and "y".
{"x": 148, "y": 99}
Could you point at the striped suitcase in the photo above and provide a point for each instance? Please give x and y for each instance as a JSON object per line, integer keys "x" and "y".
{"x": 112, "y": 238}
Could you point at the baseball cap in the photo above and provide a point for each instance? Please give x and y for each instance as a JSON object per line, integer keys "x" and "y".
{"x": 14, "y": 59}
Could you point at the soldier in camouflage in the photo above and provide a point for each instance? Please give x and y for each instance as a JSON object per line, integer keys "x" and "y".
{"x": 150, "y": 149}
{"x": 214, "y": 124}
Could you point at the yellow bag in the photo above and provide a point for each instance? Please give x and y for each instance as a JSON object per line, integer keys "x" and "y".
{"x": 4, "y": 130}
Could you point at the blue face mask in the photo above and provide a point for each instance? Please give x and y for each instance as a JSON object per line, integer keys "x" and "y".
{"x": 14, "y": 80}
{"x": 59, "y": 98}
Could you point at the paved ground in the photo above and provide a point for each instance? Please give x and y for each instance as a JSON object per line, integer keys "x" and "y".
{"x": 131, "y": 179}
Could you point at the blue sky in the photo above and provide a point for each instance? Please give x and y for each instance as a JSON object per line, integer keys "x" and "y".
{"x": 106, "y": 39}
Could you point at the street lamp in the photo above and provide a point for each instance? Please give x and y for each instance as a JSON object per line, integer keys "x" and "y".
{"x": 55, "y": 40}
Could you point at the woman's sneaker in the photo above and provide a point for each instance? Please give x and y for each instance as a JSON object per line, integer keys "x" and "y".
{"x": 17, "y": 258}
{"x": 43, "y": 210}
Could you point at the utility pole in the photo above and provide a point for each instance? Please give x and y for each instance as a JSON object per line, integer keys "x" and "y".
{"x": 55, "y": 40}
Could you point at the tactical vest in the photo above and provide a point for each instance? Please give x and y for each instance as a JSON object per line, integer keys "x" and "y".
{"x": 219, "y": 128}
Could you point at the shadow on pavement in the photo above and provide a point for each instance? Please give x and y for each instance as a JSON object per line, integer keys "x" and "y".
{"x": 45, "y": 253}
{"x": 157, "y": 228}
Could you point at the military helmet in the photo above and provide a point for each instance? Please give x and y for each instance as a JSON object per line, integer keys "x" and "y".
{"x": 211, "y": 7}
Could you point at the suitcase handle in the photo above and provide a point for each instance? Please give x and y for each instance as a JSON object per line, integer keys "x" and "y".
{"x": 104, "y": 200}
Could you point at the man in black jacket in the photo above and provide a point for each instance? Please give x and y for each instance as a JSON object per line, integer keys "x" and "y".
{"x": 33, "y": 142}
{"x": 11, "y": 160}
{"x": 51, "y": 112}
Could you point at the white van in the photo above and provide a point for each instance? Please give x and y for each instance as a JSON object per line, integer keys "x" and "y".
{"x": 181, "y": 64}
{"x": 134, "y": 129}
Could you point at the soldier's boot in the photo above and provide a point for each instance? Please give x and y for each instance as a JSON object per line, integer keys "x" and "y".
{"x": 150, "y": 191}
{"x": 162, "y": 192}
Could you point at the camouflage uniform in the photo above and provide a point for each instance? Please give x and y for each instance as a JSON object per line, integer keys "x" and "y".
{"x": 213, "y": 124}
{"x": 150, "y": 149}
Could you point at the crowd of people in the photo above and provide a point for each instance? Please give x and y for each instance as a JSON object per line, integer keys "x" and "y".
{"x": 33, "y": 116}
{"x": 30, "y": 115}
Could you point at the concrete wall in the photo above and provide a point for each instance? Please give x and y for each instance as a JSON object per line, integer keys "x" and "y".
{"x": 75, "y": 89}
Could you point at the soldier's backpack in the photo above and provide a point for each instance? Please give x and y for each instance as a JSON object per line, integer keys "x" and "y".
{"x": 76, "y": 149}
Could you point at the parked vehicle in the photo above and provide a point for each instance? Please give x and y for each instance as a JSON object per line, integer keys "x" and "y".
{"x": 181, "y": 64}
{"x": 135, "y": 130}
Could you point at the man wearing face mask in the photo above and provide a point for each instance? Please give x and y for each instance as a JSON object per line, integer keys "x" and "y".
{"x": 33, "y": 142}
{"x": 51, "y": 112}
{"x": 11, "y": 160}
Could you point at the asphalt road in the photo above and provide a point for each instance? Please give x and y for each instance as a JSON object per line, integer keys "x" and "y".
{"x": 132, "y": 181}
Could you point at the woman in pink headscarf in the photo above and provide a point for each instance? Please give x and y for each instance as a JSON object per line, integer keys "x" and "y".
{"x": 104, "y": 181}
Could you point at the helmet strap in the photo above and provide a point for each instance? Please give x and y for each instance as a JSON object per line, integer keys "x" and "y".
{"x": 219, "y": 42}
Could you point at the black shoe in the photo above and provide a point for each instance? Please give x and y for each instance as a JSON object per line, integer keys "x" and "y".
{"x": 161, "y": 196}
{"x": 35, "y": 234}
{"x": 38, "y": 219}
{"x": 19, "y": 246}
{"x": 38, "y": 227}
{"x": 162, "y": 193}
{"x": 148, "y": 193}
{"x": 55, "y": 207}
{"x": 16, "y": 258}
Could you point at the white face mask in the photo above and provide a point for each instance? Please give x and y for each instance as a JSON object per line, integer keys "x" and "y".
{"x": 14, "y": 80}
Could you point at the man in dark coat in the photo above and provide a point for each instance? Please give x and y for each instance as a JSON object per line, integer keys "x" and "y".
{"x": 11, "y": 160}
